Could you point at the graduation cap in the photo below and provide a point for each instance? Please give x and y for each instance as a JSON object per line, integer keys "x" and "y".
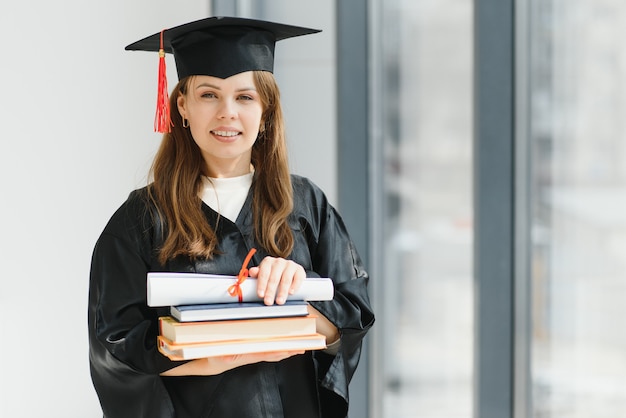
{"x": 215, "y": 46}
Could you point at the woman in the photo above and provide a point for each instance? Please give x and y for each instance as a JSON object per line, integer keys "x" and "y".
{"x": 220, "y": 187}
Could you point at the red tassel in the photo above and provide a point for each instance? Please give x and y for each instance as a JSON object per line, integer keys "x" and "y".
{"x": 162, "y": 117}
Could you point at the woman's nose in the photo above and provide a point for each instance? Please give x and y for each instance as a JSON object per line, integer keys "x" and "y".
{"x": 227, "y": 110}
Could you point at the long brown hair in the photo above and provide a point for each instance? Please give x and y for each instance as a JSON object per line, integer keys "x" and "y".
{"x": 176, "y": 175}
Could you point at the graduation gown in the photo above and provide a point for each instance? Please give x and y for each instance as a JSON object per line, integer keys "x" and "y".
{"x": 125, "y": 363}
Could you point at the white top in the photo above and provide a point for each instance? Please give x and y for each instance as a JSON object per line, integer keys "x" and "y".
{"x": 226, "y": 196}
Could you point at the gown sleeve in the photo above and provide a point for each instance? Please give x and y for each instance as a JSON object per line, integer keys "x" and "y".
{"x": 124, "y": 360}
{"x": 334, "y": 255}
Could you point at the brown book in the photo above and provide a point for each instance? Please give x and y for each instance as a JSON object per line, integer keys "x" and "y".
{"x": 209, "y": 331}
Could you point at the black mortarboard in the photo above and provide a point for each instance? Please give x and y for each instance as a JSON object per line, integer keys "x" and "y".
{"x": 221, "y": 46}
{"x": 215, "y": 46}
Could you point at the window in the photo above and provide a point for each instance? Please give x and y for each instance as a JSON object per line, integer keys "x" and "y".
{"x": 421, "y": 105}
{"x": 577, "y": 183}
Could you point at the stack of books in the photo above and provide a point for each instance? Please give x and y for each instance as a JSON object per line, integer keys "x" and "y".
{"x": 205, "y": 320}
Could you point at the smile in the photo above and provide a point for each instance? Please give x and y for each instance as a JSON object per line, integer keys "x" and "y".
{"x": 226, "y": 133}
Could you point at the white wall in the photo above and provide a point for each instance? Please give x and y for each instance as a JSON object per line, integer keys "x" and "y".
{"x": 76, "y": 119}
{"x": 76, "y": 138}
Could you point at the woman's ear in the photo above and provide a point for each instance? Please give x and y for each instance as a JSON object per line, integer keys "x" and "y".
{"x": 180, "y": 103}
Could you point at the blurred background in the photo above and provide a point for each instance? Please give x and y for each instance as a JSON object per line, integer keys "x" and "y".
{"x": 77, "y": 138}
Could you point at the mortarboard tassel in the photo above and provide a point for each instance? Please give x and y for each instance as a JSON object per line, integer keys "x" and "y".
{"x": 162, "y": 117}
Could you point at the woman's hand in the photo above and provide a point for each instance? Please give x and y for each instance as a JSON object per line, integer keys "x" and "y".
{"x": 324, "y": 326}
{"x": 216, "y": 365}
{"x": 223, "y": 363}
{"x": 277, "y": 278}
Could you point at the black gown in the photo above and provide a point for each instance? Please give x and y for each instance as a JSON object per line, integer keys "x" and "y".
{"x": 125, "y": 363}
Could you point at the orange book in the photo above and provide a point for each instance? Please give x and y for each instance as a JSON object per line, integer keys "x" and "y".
{"x": 208, "y": 331}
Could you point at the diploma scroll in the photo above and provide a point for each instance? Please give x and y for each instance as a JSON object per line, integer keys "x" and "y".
{"x": 172, "y": 289}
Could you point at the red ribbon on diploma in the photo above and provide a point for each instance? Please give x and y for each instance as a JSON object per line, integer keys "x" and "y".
{"x": 235, "y": 289}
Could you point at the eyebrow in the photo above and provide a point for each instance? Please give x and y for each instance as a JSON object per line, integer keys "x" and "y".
{"x": 218, "y": 88}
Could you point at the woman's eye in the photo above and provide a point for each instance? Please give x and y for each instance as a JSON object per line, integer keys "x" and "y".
{"x": 245, "y": 97}
{"x": 208, "y": 95}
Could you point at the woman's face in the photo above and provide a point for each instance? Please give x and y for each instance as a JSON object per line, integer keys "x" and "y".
{"x": 224, "y": 117}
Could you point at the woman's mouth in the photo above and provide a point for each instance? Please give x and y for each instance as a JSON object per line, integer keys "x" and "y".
{"x": 225, "y": 136}
{"x": 225, "y": 133}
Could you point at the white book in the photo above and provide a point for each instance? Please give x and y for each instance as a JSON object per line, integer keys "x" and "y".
{"x": 234, "y": 310}
{"x": 172, "y": 289}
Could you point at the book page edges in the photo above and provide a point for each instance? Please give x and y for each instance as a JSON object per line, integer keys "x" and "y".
{"x": 171, "y": 350}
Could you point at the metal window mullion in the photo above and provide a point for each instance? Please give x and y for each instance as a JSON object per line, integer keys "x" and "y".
{"x": 522, "y": 383}
{"x": 224, "y": 7}
{"x": 376, "y": 381}
{"x": 494, "y": 111}
{"x": 353, "y": 153}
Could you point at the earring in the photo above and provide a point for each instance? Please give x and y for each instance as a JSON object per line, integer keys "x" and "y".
{"x": 185, "y": 122}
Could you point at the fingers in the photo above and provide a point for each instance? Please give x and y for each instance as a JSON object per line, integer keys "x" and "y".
{"x": 273, "y": 356}
{"x": 277, "y": 278}
{"x": 220, "y": 364}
